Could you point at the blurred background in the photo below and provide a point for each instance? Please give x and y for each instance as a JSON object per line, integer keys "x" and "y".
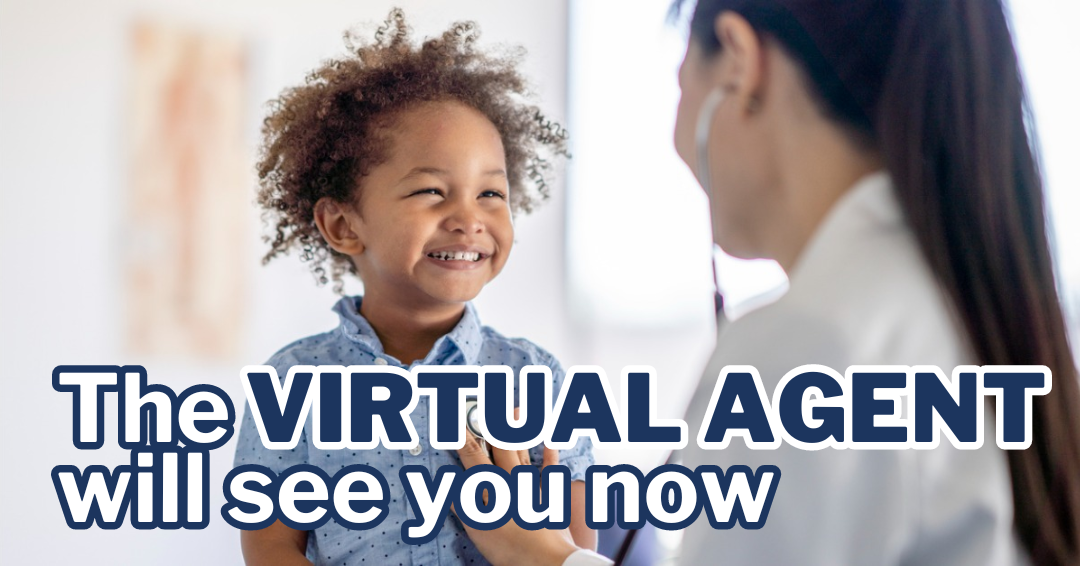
{"x": 129, "y": 235}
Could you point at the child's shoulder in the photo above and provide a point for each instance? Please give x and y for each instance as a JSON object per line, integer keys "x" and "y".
{"x": 514, "y": 351}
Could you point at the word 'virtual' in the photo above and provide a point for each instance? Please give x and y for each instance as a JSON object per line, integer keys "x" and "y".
{"x": 812, "y": 407}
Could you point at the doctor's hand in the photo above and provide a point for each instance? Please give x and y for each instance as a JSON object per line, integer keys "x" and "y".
{"x": 511, "y": 544}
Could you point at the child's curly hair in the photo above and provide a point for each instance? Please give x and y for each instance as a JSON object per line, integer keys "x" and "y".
{"x": 323, "y": 136}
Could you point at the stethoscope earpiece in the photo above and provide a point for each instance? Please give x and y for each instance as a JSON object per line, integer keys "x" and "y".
{"x": 701, "y": 136}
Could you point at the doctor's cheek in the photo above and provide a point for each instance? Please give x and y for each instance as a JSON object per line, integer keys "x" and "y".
{"x": 681, "y": 136}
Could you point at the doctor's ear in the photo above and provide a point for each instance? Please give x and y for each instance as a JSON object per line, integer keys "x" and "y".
{"x": 339, "y": 225}
{"x": 743, "y": 63}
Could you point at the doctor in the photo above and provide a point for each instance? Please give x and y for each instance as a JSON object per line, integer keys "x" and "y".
{"x": 878, "y": 151}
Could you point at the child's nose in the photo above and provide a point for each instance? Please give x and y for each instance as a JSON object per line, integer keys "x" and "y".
{"x": 465, "y": 218}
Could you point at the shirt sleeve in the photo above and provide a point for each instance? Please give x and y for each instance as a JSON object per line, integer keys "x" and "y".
{"x": 249, "y": 445}
{"x": 580, "y": 457}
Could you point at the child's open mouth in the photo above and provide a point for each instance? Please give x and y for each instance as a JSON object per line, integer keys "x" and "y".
{"x": 457, "y": 256}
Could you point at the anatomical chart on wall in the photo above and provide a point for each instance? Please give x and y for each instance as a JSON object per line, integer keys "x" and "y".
{"x": 189, "y": 192}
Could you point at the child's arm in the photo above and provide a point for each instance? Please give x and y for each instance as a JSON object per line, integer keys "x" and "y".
{"x": 583, "y": 535}
{"x": 279, "y": 545}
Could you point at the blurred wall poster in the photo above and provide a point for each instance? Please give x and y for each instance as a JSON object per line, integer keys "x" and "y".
{"x": 189, "y": 195}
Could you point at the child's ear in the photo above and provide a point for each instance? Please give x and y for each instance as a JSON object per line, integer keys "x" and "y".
{"x": 337, "y": 223}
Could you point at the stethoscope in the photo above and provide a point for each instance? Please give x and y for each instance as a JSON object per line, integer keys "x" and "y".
{"x": 702, "y": 128}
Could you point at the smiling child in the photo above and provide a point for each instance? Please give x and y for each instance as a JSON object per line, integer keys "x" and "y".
{"x": 402, "y": 165}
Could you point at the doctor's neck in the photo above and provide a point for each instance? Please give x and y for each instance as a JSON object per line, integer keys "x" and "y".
{"x": 814, "y": 163}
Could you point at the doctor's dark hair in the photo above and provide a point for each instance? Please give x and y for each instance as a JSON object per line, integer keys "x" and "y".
{"x": 935, "y": 87}
{"x": 322, "y": 137}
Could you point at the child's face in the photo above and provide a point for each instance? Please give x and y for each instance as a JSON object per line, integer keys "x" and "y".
{"x": 434, "y": 219}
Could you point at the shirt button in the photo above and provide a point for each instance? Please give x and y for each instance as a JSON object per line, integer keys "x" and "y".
{"x": 380, "y": 362}
{"x": 416, "y": 450}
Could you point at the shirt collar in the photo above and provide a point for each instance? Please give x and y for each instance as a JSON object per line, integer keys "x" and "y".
{"x": 466, "y": 336}
{"x": 870, "y": 205}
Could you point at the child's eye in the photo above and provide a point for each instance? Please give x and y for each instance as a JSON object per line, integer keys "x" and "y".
{"x": 427, "y": 192}
{"x": 496, "y": 194}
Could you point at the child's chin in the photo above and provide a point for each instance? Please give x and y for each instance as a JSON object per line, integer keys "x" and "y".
{"x": 459, "y": 295}
{"x": 455, "y": 289}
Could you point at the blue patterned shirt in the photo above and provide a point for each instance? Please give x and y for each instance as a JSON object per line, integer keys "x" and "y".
{"x": 354, "y": 343}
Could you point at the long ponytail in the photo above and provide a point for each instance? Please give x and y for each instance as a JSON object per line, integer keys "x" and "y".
{"x": 952, "y": 128}
{"x": 935, "y": 86}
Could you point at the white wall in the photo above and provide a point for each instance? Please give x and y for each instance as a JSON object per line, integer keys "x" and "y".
{"x": 63, "y": 66}
{"x": 639, "y": 248}
{"x": 1048, "y": 48}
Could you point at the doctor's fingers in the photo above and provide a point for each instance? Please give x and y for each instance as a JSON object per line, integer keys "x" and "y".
{"x": 509, "y": 459}
{"x": 551, "y": 457}
{"x": 472, "y": 454}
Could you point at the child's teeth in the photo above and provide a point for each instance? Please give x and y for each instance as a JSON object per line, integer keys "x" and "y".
{"x": 460, "y": 256}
